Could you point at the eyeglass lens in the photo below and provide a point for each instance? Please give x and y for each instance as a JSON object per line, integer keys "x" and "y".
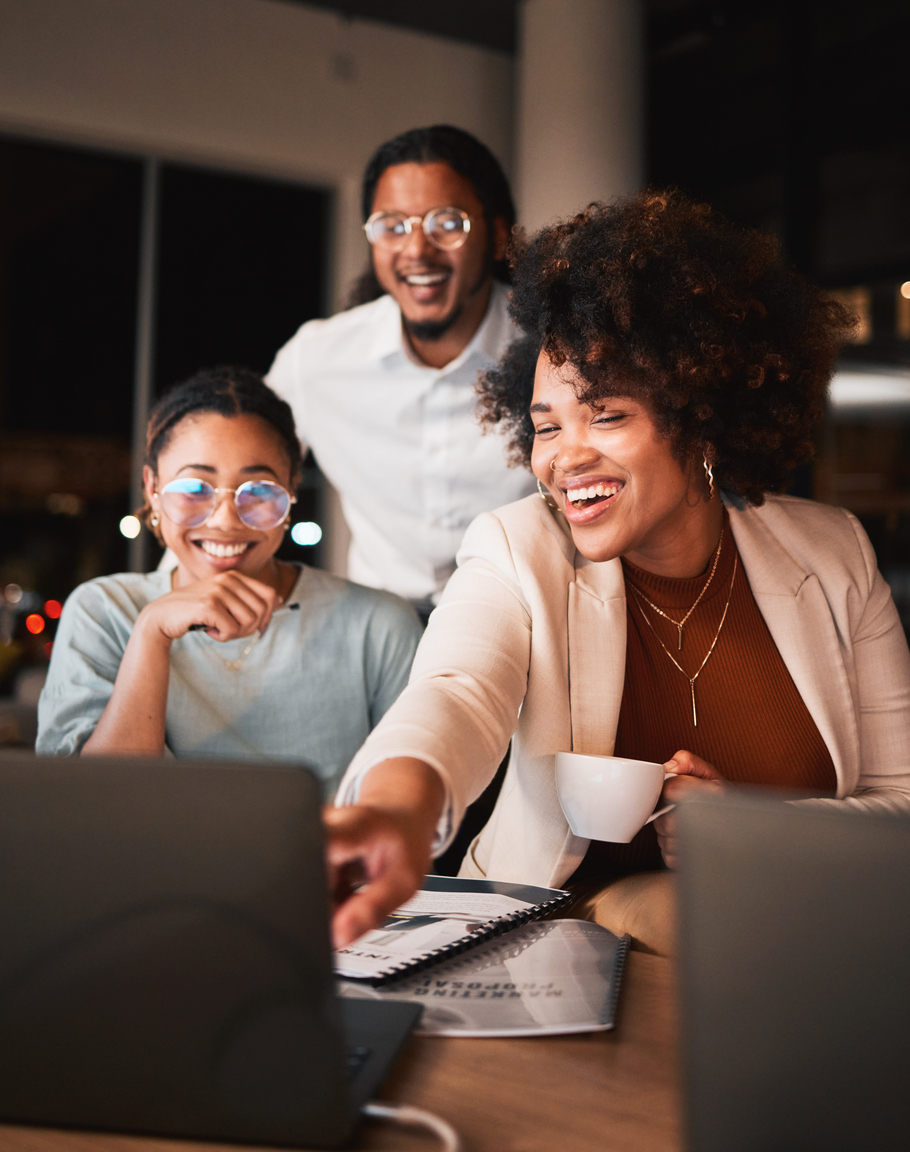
{"x": 189, "y": 502}
{"x": 445, "y": 228}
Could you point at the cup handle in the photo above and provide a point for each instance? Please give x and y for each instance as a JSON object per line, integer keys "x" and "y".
{"x": 667, "y": 807}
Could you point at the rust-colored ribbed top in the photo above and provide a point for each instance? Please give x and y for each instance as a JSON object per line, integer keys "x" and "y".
{"x": 752, "y": 723}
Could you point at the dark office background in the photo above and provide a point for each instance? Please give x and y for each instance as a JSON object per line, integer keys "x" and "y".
{"x": 786, "y": 115}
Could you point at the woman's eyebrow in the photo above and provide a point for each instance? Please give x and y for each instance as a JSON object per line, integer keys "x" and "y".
{"x": 259, "y": 468}
{"x": 250, "y": 468}
{"x": 540, "y": 407}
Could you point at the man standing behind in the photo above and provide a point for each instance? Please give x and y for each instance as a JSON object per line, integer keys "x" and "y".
{"x": 384, "y": 393}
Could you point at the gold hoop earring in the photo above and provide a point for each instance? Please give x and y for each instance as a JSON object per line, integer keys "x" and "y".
{"x": 552, "y": 468}
{"x": 546, "y": 497}
{"x": 709, "y": 476}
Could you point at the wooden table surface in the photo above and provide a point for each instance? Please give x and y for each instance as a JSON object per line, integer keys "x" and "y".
{"x": 616, "y": 1090}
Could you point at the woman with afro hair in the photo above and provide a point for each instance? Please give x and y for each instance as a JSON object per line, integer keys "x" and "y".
{"x": 660, "y": 599}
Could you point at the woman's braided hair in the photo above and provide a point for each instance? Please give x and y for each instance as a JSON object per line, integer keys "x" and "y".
{"x": 227, "y": 391}
{"x": 661, "y": 299}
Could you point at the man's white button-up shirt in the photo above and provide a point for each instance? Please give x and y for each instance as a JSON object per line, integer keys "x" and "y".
{"x": 399, "y": 441}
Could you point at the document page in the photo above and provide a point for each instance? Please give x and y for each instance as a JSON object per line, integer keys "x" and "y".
{"x": 439, "y": 916}
{"x": 546, "y": 978}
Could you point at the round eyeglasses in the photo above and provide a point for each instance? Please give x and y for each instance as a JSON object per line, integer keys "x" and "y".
{"x": 190, "y": 502}
{"x": 445, "y": 228}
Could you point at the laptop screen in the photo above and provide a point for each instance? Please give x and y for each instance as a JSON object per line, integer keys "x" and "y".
{"x": 795, "y": 994}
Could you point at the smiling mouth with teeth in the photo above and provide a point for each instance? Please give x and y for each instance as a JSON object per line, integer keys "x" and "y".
{"x": 583, "y": 497}
{"x": 425, "y": 279}
{"x": 223, "y": 551}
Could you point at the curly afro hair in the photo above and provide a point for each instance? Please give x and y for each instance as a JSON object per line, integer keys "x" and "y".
{"x": 661, "y": 299}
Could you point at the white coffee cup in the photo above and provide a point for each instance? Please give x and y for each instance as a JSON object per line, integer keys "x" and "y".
{"x": 609, "y": 797}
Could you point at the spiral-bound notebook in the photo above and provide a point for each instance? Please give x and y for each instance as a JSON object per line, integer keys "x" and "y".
{"x": 544, "y": 979}
{"x": 447, "y": 916}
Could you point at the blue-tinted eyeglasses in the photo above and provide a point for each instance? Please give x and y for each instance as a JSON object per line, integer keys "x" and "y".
{"x": 190, "y": 502}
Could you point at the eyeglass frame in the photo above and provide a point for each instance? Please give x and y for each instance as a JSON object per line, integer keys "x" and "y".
{"x": 216, "y": 492}
{"x": 409, "y": 222}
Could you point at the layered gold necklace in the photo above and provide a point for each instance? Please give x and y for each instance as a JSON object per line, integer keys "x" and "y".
{"x": 678, "y": 624}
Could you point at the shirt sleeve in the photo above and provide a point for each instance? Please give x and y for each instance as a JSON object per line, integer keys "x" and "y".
{"x": 91, "y": 638}
{"x": 287, "y": 377}
{"x": 461, "y": 705}
{"x": 393, "y": 634}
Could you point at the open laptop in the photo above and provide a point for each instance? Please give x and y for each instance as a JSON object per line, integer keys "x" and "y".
{"x": 795, "y": 955}
{"x": 165, "y": 965}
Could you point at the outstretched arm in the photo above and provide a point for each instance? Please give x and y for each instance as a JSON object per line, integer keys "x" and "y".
{"x": 379, "y": 849}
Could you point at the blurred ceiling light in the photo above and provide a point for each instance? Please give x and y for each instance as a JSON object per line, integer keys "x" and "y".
{"x": 306, "y": 533}
{"x": 130, "y": 527}
{"x": 13, "y": 593}
{"x": 902, "y": 312}
{"x": 869, "y": 390}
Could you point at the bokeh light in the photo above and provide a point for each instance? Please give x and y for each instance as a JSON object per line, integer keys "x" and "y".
{"x": 130, "y": 527}
{"x": 34, "y": 623}
{"x": 13, "y": 593}
{"x": 306, "y": 533}
{"x": 52, "y": 609}
{"x": 905, "y": 289}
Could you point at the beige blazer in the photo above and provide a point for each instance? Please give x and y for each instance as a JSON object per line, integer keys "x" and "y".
{"x": 528, "y": 643}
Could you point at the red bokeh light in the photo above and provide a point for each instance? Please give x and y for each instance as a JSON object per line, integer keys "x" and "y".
{"x": 48, "y": 648}
{"x": 34, "y": 623}
{"x": 52, "y": 609}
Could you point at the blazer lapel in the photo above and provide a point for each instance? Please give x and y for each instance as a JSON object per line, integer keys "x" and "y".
{"x": 597, "y": 654}
{"x": 798, "y": 616}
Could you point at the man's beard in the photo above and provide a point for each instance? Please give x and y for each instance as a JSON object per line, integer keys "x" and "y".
{"x": 429, "y": 331}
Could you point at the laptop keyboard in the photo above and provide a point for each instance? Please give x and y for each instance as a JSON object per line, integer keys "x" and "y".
{"x": 356, "y": 1058}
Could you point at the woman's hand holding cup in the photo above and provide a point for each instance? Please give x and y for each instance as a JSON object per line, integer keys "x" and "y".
{"x": 692, "y": 775}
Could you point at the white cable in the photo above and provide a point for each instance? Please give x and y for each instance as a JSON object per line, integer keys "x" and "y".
{"x": 418, "y": 1118}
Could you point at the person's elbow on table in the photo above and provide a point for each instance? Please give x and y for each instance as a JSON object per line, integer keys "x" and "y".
{"x": 378, "y": 850}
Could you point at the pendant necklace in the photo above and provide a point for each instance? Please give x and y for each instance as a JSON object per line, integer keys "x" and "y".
{"x": 691, "y": 679}
{"x": 680, "y": 624}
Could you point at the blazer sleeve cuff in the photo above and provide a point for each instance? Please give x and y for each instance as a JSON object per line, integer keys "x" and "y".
{"x": 349, "y": 792}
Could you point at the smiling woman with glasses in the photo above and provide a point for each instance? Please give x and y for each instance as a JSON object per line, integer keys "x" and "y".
{"x": 234, "y": 652}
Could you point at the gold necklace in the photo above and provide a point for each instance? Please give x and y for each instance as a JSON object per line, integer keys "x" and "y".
{"x": 236, "y": 665}
{"x": 680, "y": 624}
{"x": 691, "y": 679}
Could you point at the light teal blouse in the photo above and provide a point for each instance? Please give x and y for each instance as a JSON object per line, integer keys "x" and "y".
{"x": 333, "y": 659}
